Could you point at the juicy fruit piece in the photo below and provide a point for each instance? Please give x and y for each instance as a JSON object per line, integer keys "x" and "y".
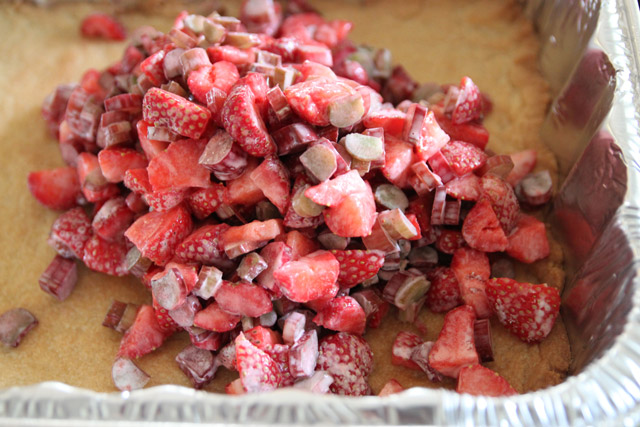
{"x": 503, "y": 200}
{"x": 483, "y": 341}
{"x": 115, "y": 161}
{"x": 480, "y": 381}
{"x": 303, "y": 355}
{"x": 205, "y": 201}
{"x": 356, "y": 265}
{"x": 213, "y": 318}
{"x": 272, "y": 178}
{"x": 528, "y": 241}
{"x": 342, "y": 314}
{"x": 204, "y": 245}
{"x": 472, "y": 270}
{"x": 420, "y": 356}
{"x": 166, "y": 109}
{"x": 263, "y": 338}
{"x": 70, "y": 232}
{"x": 330, "y": 193}
{"x": 60, "y": 277}
{"x": 105, "y": 257}
{"x": 177, "y": 167}
{"x": 468, "y": 104}
{"x": 221, "y": 75}
{"x": 444, "y": 293}
{"x": 402, "y": 347}
{"x": 308, "y": 278}
{"x": 14, "y": 325}
{"x": 354, "y": 216}
{"x": 313, "y": 99}
{"x": 112, "y": 219}
{"x": 244, "y": 299}
{"x": 144, "y": 336}
{"x": 481, "y": 229}
{"x": 523, "y": 164}
{"x": 535, "y": 188}
{"x": 171, "y": 286}
{"x": 127, "y": 375}
{"x": 527, "y": 310}
{"x": 391, "y": 387}
{"x": 258, "y": 371}
{"x": 349, "y": 360}
{"x": 463, "y": 157}
{"x": 246, "y": 238}
{"x": 455, "y": 347}
{"x": 398, "y": 160}
{"x": 55, "y": 188}
{"x": 103, "y": 26}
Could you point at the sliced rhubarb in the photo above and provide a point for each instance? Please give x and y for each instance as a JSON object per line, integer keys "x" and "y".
{"x": 320, "y": 162}
{"x": 120, "y": 316}
{"x": 391, "y": 197}
{"x": 14, "y": 326}
{"x": 127, "y": 376}
{"x": 251, "y": 266}
{"x": 535, "y": 188}
{"x": 198, "y": 365}
{"x": 482, "y": 337}
{"x": 406, "y": 288}
{"x": 294, "y": 327}
{"x": 60, "y": 277}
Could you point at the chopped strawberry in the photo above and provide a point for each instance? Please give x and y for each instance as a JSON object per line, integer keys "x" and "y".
{"x": 166, "y": 109}
{"x": 203, "y": 245}
{"x": 258, "y": 232}
{"x": 356, "y": 265}
{"x": 402, "y": 347}
{"x": 466, "y": 187}
{"x": 332, "y": 192}
{"x": 164, "y": 200}
{"x": 275, "y": 254}
{"x": 503, "y": 200}
{"x": 523, "y": 164}
{"x": 177, "y": 167}
{"x": 144, "y": 336}
{"x": 258, "y": 371}
{"x": 303, "y": 356}
{"x": 242, "y": 120}
{"x": 243, "y": 298}
{"x": 313, "y": 99}
{"x": 374, "y": 306}
{"x": 55, "y": 188}
{"x": 221, "y": 75}
{"x": 390, "y": 119}
{"x": 527, "y": 310}
{"x": 102, "y": 26}
{"x": 242, "y": 190}
{"x": 481, "y": 229}
{"x": 421, "y": 129}
{"x": 261, "y": 16}
{"x": 171, "y": 286}
{"x": 464, "y": 157}
{"x": 231, "y": 54}
{"x": 112, "y": 219}
{"x": 272, "y": 178}
{"x": 157, "y": 234}
{"x": 342, "y": 314}
{"x": 70, "y": 233}
{"x": 94, "y": 184}
{"x": 309, "y": 278}
{"x": 470, "y": 132}
{"x": 455, "y": 347}
{"x": 263, "y": 337}
{"x": 150, "y": 147}
{"x": 354, "y": 216}
{"x": 280, "y": 353}
{"x": 105, "y": 257}
{"x": 469, "y": 103}
{"x": 444, "y": 293}
{"x": 480, "y": 381}
{"x": 472, "y": 270}
{"x": 137, "y": 180}
{"x": 300, "y": 244}
{"x": 349, "y": 360}
{"x": 165, "y": 322}
{"x": 213, "y": 318}
{"x": 257, "y": 82}
{"x": 205, "y": 201}
{"x": 528, "y": 240}
{"x": 398, "y": 160}
{"x": 391, "y": 387}
{"x": 448, "y": 241}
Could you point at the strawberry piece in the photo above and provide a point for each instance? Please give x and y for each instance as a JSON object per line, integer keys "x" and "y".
{"x": 144, "y": 336}
{"x": 349, "y": 360}
{"x": 166, "y": 109}
{"x": 221, "y": 75}
{"x": 503, "y": 200}
{"x": 332, "y": 192}
{"x": 420, "y": 355}
{"x": 258, "y": 371}
{"x": 374, "y": 307}
{"x": 421, "y": 129}
{"x": 102, "y": 26}
{"x": 243, "y": 298}
{"x": 257, "y": 82}
{"x": 342, "y": 314}
{"x": 481, "y": 229}
{"x": 391, "y": 387}
{"x": 303, "y": 355}
{"x": 178, "y": 167}
{"x": 213, "y": 318}
{"x": 527, "y": 310}
{"x": 528, "y": 241}
{"x": 468, "y": 104}
{"x": 70, "y": 232}
{"x": 313, "y": 99}
{"x": 94, "y": 185}
{"x": 55, "y": 188}
{"x": 105, "y": 256}
{"x": 472, "y": 270}
{"x": 402, "y": 347}
{"x": 165, "y": 321}
{"x": 470, "y": 132}
{"x": 310, "y": 277}
{"x": 202, "y": 246}
{"x": 389, "y": 119}
{"x": 466, "y": 187}
{"x": 454, "y": 347}
{"x": 257, "y": 232}
{"x": 112, "y": 219}
{"x": 242, "y": 120}
{"x": 356, "y": 265}
{"x": 444, "y": 293}
{"x": 480, "y": 381}
{"x": 157, "y": 234}
{"x": 463, "y": 157}
{"x": 300, "y": 244}
{"x": 280, "y": 353}
{"x": 448, "y": 241}
{"x": 150, "y": 147}
{"x": 272, "y": 178}
{"x": 242, "y": 190}
{"x": 275, "y": 254}
{"x": 207, "y": 340}
{"x": 398, "y": 160}
{"x": 262, "y": 337}
{"x": 231, "y": 54}
{"x": 205, "y": 201}
{"x": 354, "y": 216}
{"x": 60, "y": 277}
{"x": 523, "y": 164}
{"x": 164, "y": 200}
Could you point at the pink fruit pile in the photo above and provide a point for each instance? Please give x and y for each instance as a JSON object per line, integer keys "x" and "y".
{"x": 278, "y": 188}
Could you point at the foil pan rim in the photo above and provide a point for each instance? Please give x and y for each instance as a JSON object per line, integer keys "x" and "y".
{"x": 606, "y": 392}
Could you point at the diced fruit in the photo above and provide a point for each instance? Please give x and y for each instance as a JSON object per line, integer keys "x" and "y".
{"x": 342, "y": 314}
{"x": 251, "y": 266}
{"x": 144, "y": 336}
{"x": 455, "y": 347}
{"x": 258, "y": 371}
{"x": 320, "y": 162}
{"x": 463, "y": 157}
{"x": 223, "y": 157}
{"x": 314, "y": 99}
{"x": 206, "y": 340}
{"x": 448, "y": 241}
{"x": 391, "y": 120}
{"x": 242, "y": 190}
{"x": 402, "y": 347}
{"x": 244, "y": 299}
{"x": 294, "y": 327}
{"x": 309, "y": 278}
{"x": 102, "y": 25}
{"x": 198, "y": 365}
{"x": 275, "y": 254}
{"x": 357, "y": 265}
{"x": 472, "y": 270}
{"x": 55, "y": 188}
{"x": 354, "y": 216}
{"x": 374, "y": 306}
{"x": 482, "y": 338}
{"x": 480, "y": 381}
{"x": 115, "y": 161}
{"x": 162, "y": 108}
{"x": 183, "y": 315}
{"x": 204, "y": 245}
{"x": 112, "y": 219}
{"x": 468, "y": 104}
{"x": 398, "y": 160}
{"x": 503, "y": 200}
{"x": 406, "y": 288}
{"x": 272, "y": 178}
{"x": 527, "y": 310}
{"x": 280, "y": 354}
{"x": 535, "y": 188}
{"x": 391, "y": 387}
{"x": 528, "y": 240}
{"x": 171, "y": 286}
{"x": 349, "y": 360}
{"x": 331, "y": 193}
{"x": 466, "y": 187}
{"x": 238, "y": 240}
{"x": 420, "y": 356}
{"x": 523, "y": 164}
{"x": 205, "y": 201}
{"x": 221, "y": 75}
{"x": 391, "y": 197}
{"x": 120, "y": 316}
{"x": 14, "y": 326}
{"x": 60, "y": 277}
{"x": 105, "y": 256}
{"x": 177, "y": 167}
{"x": 421, "y": 129}
{"x": 481, "y": 229}
{"x": 70, "y": 233}
{"x": 444, "y": 293}
{"x": 319, "y": 382}
{"x": 262, "y": 337}
{"x": 499, "y": 165}
{"x": 127, "y": 376}
{"x": 213, "y": 318}
{"x": 209, "y": 280}
{"x": 397, "y": 225}
{"x": 303, "y": 355}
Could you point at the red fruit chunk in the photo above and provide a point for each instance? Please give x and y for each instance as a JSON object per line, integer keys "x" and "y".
{"x": 402, "y": 347}
{"x": 468, "y": 104}
{"x": 293, "y": 327}
{"x": 120, "y": 316}
{"x": 165, "y": 321}
{"x": 55, "y": 188}
{"x": 242, "y": 120}
{"x": 455, "y": 347}
{"x": 70, "y": 232}
{"x": 275, "y": 254}
{"x": 177, "y": 167}
{"x": 257, "y": 232}
{"x": 448, "y": 241}
{"x": 221, "y": 75}
{"x": 389, "y": 119}
{"x": 227, "y": 356}
{"x": 300, "y": 244}
{"x": 144, "y": 336}
{"x": 332, "y": 192}
{"x": 166, "y": 109}
{"x": 258, "y": 371}
{"x": 309, "y": 278}
{"x": 242, "y": 190}
{"x": 472, "y": 270}
{"x": 535, "y": 189}
{"x": 503, "y": 200}
{"x": 499, "y": 165}
{"x": 354, "y": 216}
{"x": 205, "y": 201}
{"x": 523, "y": 164}
{"x": 105, "y": 256}
{"x": 243, "y": 298}
{"x": 60, "y": 277}
{"x": 262, "y": 337}
{"x": 112, "y": 219}
{"x": 272, "y": 178}
{"x": 198, "y": 365}
{"x": 294, "y": 138}
{"x": 157, "y": 234}
{"x": 231, "y": 54}
{"x": 473, "y": 133}
{"x": 14, "y": 325}
{"x": 528, "y": 241}
{"x": 356, "y": 266}
{"x": 420, "y": 356}
{"x": 303, "y": 355}
{"x": 235, "y": 387}
{"x": 203, "y": 245}
{"x": 466, "y": 187}
{"x": 374, "y": 307}
{"x": 280, "y": 354}
{"x": 342, "y": 314}
{"x": 261, "y": 16}
{"x": 422, "y": 130}
{"x": 481, "y": 229}
{"x": 444, "y": 293}
{"x": 102, "y": 26}
{"x": 313, "y": 99}
{"x": 213, "y": 318}
{"x": 207, "y": 340}
{"x": 349, "y": 360}
{"x": 463, "y": 157}
{"x": 171, "y": 286}
{"x": 398, "y": 160}
{"x": 399, "y": 86}
{"x": 482, "y": 338}
{"x": 527, "y": 310}
{"x": 164, "y": 200}
{"x": 480, "y": 381}
{"x": 391, "y": 387}
{"x": 150, "y": 147}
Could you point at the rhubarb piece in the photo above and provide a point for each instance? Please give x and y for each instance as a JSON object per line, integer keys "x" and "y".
{"x": 206, "y": 340}
{"x": 424, "y": 256}
{"x": 243, "y": 299}
{"x": 14, "y": 326}
{"x": 225, "y": 159}
{"x": 60, "y": 277}
{"x": 120, "y": 316}
{"x": 269, "y": 319}
{"x": 480, "y": 381}
{"x": 171, "y": 286}
{"x": 356, "y": 265}
{"x": 320, "y": 162}
{"x": 310, "y": 277}
{"x": 420, "y": 356}
{"x": 304, "y": 206}
{"x": 527, "y": 310}
{"x": 294, "y": 327}
{"x": 375, "y": 308}
{"x": 251, "y": 266}
{"x": 439, "y": 206}
{"x": 127, "y": 376}
{"x": 528, "y": 241}
{"x": 380, "y": 240}
{"x": 209, "y": 280}
{"x": 303, "y": 355}
{"x": 342, "y": 314}
{"x": 499, "y": 165}
{"x": 405, "y": 288}
{"x": 523, "y": 164}
{"x": 482, "y": 339}
{"x": 455, "y": 347}
{"x": 184, "y": 314}
{"x": 332, "y": 241}
{"x": 422, "y": 130}
{"x": 503, "y": 267}
{"x": 402, "y": 349}
{"x": 294, "y": 138}
{"x": 258, "y": 371}
{"x": 535, "y": 188}
{"x": 391, "y": 387}
{"x": 397, "y": 225}
{"x": 198, "y": 365}
{"x": 349, "y": 360}
{"x": 391, "y": 197}
{"x": 55, "y": 188}
{"x": 320, "y": 383}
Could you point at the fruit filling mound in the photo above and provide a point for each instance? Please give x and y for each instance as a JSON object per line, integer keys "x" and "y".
{"x": 280, "y": 190}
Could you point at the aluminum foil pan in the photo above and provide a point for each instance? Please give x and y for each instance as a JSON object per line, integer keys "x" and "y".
{"x": 591, "y": 59}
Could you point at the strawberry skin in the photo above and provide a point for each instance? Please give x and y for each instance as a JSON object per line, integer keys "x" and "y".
{"x": 469, "y": 103}
{"x": 357, "y": 265}
{"x": 342, "y": 314}
{"x": 166, "y": 109}
{"x": 444, "y": 293}
{"x": 481, "y": 229}
{"x": 103, "y": 26}
{"x": 472, "y": 270}
{"x": 202, "y": 246}
{"x": 480, "y": 381}
{"x": 70, "y": 233}
{"x": 527, "y": 310}
{"x": 105, "y": 256}
{"x": 258, "y": 371}
{"x": 528, "y": 241}
{"x": 455, "y": 346}
{"x": 349, "y": 360}
{"x": 144, "y": 336}
{"x": 55, "y": 188}
{"x": 309, "y": 278}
